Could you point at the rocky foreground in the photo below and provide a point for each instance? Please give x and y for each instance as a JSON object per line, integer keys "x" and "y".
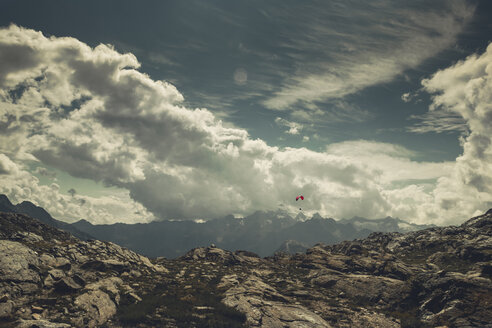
{"x": 429, "y": 278}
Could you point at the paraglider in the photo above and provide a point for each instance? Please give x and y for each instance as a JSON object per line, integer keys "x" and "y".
{"x": 301, "y": 197}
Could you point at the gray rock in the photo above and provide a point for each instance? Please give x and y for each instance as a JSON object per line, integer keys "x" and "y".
{"x": 17, "y": 261}
{"x": 110, "y": 285}
{"x": 63, "y": 263}
{"x": 265, "y": 307}
{"x": 40, "y": 324}
{"x": 131, "y": 297}
{"x": 6, "y": 309}
{"x": 98, "y": 307}
{"x": 28, "y": 237}
{"x": 56, "y": 274}
{"x": 371, "y": 288}
{"x": 47, "y": 261}
{"x": 106, "y": 265}
{"x": 66, "y": 285}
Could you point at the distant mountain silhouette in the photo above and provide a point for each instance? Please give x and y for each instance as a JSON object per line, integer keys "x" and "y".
{"x": 387, "y": 224}
{"x": 6, "y": 205}
{"x": 40, "y": 213}
{"x": 262, "y": 232}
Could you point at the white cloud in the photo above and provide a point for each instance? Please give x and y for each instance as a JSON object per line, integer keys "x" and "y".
{"x": 135, "y": 133}
{"x": 466, "y": 89}
{"x": 294, "y": 128}
{"x": 389, "y": 162}
{"x": 7, "y": 167}
{"x": 19, "y": 185}
{"x": 406, "y": 97}
{"x": 332, "y": 111}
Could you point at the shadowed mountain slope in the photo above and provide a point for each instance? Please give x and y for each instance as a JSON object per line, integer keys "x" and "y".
{"x": 42, "y": 215}
{"x": 262, "y": 233}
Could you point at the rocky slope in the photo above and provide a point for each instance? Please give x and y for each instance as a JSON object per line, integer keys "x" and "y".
{"x": 430, "y": 278}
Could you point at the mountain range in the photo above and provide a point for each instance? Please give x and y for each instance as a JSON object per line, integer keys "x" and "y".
{"x": 436, "y": 277}
{"x": 262, "y": 232}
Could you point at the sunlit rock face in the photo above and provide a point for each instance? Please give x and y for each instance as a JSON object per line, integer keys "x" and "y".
{"x": 428, "y": 278}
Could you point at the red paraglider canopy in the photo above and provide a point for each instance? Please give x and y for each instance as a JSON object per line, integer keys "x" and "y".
{"x": 299, "y": 197}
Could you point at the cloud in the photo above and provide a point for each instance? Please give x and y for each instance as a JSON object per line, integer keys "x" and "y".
{"x": 438, "y": 121}
{"x": 361, "y": 45}
{"x": 240, "y": 76}
{"x": 390, "y": 163}
{"x": 332, "y": 111}
{"x": 19, "y": 185}
{"x": 465, "y": 89}
{"x": 406, "y": 97}
{"x": 294, "y": 128}
{"x": 174, "y": 162}
{"x": 158, "y": 58}
{"x": 7, "y": 166}
{"x": 45, "y": 172}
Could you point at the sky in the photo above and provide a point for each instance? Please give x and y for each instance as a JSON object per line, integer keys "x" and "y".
{"x": 125, "y": 111}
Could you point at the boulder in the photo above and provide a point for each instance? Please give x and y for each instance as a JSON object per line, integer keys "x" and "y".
{"x": 6, "y": 309}
{"x": 28, "y": 237}
{"x": 368, "y": 288}
{"x": 17, "y": 262}
{"x": 66, "y": 285}
{"x": 106, "y": 265}
{"x": 98, "y": 307}
{"x": 265, "y": 307}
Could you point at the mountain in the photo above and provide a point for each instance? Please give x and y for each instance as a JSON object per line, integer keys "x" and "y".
{"x": 262, "y": 232}
{"x": 42, "y": 215}
{"x": 387, "y": 224}
{"x": 6, "y": 205}
{"x": 440, "y": 276}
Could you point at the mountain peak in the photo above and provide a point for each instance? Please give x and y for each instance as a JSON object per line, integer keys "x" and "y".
{"x": 5, "y": 204}
{"x": 82, "y": 222}
{"x": 301, "y": 217}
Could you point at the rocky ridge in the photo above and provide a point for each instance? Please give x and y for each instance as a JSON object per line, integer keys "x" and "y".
{"x": 47, "y": 275}
{"x": 438, "y": 277}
